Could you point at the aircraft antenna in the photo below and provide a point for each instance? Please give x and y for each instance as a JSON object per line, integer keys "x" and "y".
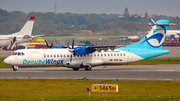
{"x": 55, "y": 8}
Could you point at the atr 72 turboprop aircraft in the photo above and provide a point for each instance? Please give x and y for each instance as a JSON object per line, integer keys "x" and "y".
{"x": 24, "y": 35}
{"x": 89, "y": 56}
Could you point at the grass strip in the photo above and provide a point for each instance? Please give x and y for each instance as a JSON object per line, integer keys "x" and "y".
{"x": 76, "y": 90}
{"x": 156, "y": 61}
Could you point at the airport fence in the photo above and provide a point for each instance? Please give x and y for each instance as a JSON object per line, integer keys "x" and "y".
{"x": 92, "y": 42}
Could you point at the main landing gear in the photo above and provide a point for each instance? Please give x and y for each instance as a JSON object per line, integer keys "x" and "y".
{"x": 75, "y": 69}
{"x": 86, "y": 67}
{"x": 15, "y": 68}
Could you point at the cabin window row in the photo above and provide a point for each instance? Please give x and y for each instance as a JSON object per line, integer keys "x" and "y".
{"x": 86, "y": 55}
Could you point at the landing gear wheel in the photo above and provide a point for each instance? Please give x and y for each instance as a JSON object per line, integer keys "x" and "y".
{"x": 75, "y": 69}
{"x": 87, "y": 68}
{"x": 15, "y": 68}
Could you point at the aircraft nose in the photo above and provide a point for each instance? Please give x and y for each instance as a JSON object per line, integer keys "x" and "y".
{"x": 7, "y": 61}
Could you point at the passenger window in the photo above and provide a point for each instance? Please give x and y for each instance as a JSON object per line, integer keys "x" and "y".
{"x": 104, "y": 54}
{"x": 64, "y": 55}
{"x": 94, "y": 55}
{"x": 101, "y": 54}
{"x": 47, "y": 55}
{"x": 111, "y": 54}
{"x": 54, "y": 55}
{"x": 61, "y": 55}
{"x": 58, "y": 55}
{"x": 51, "y": 55}
{"x": 87, "y": 55}
{"x": 108, "y": 54}
{"x": 81, "y": 55}
{"x": 44, "y": 56}
{"x": 67, "y": 55}
{"x": 98, "y": 55}
{"x": 117, "y": 54}
{"x": 121, "y": 54}
{"x": 114, "y": 54}
{"x": 84, "y": 55}
{"x": 124, "y": 54}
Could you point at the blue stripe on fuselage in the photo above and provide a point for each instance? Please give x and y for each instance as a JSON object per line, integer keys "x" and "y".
{"x": 145, "y": 53}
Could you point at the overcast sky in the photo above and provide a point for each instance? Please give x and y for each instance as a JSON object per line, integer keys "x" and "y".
{"x": 159, "y": 7}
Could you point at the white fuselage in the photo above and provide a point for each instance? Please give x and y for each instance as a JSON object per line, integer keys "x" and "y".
{"x": 59, "y": 57}
{"x": 6, "y": 39}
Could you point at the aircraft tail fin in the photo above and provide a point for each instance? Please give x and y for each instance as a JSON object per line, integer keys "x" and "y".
{"x": 27, "y": 28}
{"x": 151, "y": 23}
{"x": 156, "y": 37}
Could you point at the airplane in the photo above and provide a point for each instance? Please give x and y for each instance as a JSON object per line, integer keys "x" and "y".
{"x": 24, "y": 35}
{"x": 169, "y": 33}
{"x": 90, "y": 56}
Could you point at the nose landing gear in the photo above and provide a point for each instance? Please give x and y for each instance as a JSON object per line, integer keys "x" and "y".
{"x": 15, "y": 68}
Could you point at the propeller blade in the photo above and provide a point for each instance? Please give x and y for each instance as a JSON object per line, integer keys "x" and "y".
{"x": 51, "y": 45}
{"x": 68, "y": 45}
{"x": 73, "y": 44}
{"x": 47, "y": 44}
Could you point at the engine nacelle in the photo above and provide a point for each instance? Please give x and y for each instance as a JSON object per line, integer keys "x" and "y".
{"x": 83, "y": 50}
{"x": 73, "y": 65}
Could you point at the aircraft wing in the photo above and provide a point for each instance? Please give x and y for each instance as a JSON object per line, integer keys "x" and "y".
{"x": 37, "y": 35}
{"x": 105, "y": 48}
{"x": 81, "y": 50}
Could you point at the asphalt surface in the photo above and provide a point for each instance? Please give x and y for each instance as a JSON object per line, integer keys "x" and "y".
{"x": 124, "y": 72}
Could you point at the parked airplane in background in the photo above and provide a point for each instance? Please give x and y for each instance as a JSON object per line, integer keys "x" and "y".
{"x": 24, "y": 35}
{"x": 169, "y": 33}
{"x": 89, "y": 56}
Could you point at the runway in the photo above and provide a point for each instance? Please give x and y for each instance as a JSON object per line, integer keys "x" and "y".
{"x": 166, "y": 72}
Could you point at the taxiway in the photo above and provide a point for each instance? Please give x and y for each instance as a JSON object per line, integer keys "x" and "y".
{"x": 166, "y": 72}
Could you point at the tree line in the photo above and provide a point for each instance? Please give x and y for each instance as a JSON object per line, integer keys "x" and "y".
{"x": 70, "y": 23}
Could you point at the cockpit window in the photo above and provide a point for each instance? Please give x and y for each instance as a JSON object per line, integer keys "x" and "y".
{"x": 15, "y": 53}
{"x": 22, "y": 53}
{"x": 18, "y": 53}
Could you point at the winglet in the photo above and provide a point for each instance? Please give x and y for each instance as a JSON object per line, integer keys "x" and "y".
{"x": 32, "y": 18}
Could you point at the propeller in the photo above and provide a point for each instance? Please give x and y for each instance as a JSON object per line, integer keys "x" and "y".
{"x": 48, "y": 45}
{"x": 71, "y": 50}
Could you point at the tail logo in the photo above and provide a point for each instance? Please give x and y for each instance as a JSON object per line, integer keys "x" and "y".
{"x": 156, "y": 39}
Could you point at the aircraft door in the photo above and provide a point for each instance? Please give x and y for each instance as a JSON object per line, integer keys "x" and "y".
{"x": 129, "y": 55}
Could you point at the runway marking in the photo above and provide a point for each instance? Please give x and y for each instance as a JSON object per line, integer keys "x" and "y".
{"x": 164, "y": 70}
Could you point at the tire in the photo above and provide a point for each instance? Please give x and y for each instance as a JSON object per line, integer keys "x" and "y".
{"x": 14, "y": 69}
{"x": 87, "y": 68}
{"x": 75, "y": 69}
